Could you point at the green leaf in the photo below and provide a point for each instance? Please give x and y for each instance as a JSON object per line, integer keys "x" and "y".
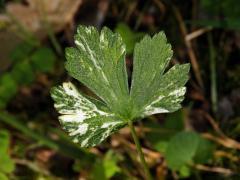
{"x": 23, "y": 73}
{"x": 6, "y": 164}
{"x": 110, "y": 164}
{"x": 153, "y": 91}
{"x": 175, "y": 120}
{"x": 185, "y": 148}
{"x": 98, "y": 171}
{"x": 160, "y": 134}
{"x": 204, "y": 151}
{"x": 8, "y": 88}
{"x": 3, "y": 176}
{"x": 21, "y": 52}
{"x": 4, "y": 142}
{"x": 184, "y": 171}
{"x": 129, "y": 37}
{"x": 43, "y": 59}
{"x": 106, "y": 168}
{"x": 87, "y": 123}
{"x": 98, "y": 61}
{"x": 181, "y": 149}
{"x": 161, "y": 146}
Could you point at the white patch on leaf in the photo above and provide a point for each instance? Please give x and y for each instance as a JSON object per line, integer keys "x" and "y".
{"x": 82, "y": 129}
{"x": 84, "y": 143}
{"x": 72, "y": 118}
{"x": 70, "y": 89}
{"x": 105, "y": 78}
{"x": 159, "y": 98}
{"x": 77, "y": 113}
{"x": 75, "y": 140}
{"x": 105, "y": 134}
{"x": 88, "y": 30}
{"x": 103, "y": 41}
{"x": 154, "y": 110}
{"x": 80, "y": 45}
{"x": 91, "y": 54}
{"x": 81, "y": 108}
{"x": 178, "y": 92}
{"x": 110, "y": 124}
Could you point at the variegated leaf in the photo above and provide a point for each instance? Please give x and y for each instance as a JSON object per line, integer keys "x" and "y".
{"x": 98, "y": 61}
{"x": 87, "y": 123}
{"x": 170, "y": 91}
{"x": 154, "y": 91}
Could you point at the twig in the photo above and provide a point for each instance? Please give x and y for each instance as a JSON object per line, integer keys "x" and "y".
{"x": 32, "y": 166}
{"x": 161, "y": 6}
{"x": 49, "y": 29}
{"x": 197, "y": 33}
{"x": 226, "y": 155}
{"x": 156, "y": 130}
{"x": 213, "y": 74}
{"x": 188, "y": 44}
{"x": 225, "y": 141}
{"x": 214, "y": 124}
{"x": 131, "y": 9}
{"x": 213, "y": 169}
{"x": 140, "y": 16}
{"x": 148, "y": 152}
{"x": 22, "y": 32}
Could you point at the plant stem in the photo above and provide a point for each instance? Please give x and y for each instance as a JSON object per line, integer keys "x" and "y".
{"x": 49, "y": 29}
{"x": 213, "y": 74}
{"x": 139, "y": 149}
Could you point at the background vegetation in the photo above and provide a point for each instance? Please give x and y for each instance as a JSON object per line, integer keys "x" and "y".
{"x": 198, "y": 142}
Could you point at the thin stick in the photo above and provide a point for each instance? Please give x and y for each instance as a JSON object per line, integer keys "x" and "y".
{"x": 139, "y": 149}
{"x": 197, "y": 33}
{"x": 225, "y": 154}
{"x": 214, "y": 124}
{"x": 49, "y": 29}
{"x": 226, "y": 142}
{"x": 188, "y": 44}
{"x": 214, "y": 169}
{"x": 32, "y": 166}
{"x": 213, "y": 75}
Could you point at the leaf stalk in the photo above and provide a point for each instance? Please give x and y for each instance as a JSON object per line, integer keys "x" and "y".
{"x": 139, "y": 150}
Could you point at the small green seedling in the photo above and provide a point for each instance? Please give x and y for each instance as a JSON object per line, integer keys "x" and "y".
{"x": 7, "y": 165}
{"x": 98, "y": 61}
